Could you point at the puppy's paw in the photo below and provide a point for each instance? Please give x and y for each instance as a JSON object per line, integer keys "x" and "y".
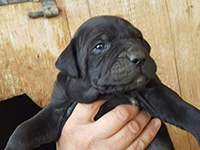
{"x": 14, "y": 146}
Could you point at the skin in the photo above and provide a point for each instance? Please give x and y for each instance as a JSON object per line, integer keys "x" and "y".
{"x": 127, "y": 128}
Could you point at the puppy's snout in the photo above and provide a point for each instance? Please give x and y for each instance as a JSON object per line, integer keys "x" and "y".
{"x": 137, "y": 57}
{"x": 138, "y": 61}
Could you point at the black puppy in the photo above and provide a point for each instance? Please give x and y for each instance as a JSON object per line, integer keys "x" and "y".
{"x": 107, "y": 59}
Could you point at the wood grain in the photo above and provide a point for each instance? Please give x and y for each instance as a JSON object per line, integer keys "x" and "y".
{"x": 29, "y": 48}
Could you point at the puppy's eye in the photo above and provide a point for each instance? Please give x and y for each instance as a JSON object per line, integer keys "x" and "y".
{"x": 139, "y": 39}
{"x": 100, "y": 47}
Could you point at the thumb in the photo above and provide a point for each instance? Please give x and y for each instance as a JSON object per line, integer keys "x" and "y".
{"x": 85, "y": 113}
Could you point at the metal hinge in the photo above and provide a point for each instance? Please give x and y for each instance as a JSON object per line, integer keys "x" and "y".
{"x": 49, "y": 8}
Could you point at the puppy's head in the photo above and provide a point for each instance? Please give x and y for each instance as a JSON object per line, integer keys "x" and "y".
{"x": 110, "y": 53}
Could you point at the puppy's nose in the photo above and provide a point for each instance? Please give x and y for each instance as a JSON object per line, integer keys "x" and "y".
{"x": 138, "y": 58}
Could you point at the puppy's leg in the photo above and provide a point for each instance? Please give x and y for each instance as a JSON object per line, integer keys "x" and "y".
{"x": 162, "y": 102}
{"x": 43, "y": 128}
{"x": 162, "y": 140}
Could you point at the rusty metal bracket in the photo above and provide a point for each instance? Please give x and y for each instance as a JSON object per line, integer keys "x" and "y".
{"x": 49, "y": 8}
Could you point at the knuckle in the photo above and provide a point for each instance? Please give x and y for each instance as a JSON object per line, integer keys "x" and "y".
{"x": 68, "y": 130}
{"x": 139, "y": 145}
{"x": 91, "y": 140}
{"x": 148, "y": 136}
{"x": 133, "y": 127}
{"x": 110, "y": 147}
{"x": 122, "y": 113}
{"x": 86, "y": 143}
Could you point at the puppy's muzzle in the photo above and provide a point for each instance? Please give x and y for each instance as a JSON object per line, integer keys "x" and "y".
{"x": 137, "y": 57}
{"x": 135, "y": 54}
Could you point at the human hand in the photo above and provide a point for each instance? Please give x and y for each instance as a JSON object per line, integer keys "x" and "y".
{"x": 122, "y": 128}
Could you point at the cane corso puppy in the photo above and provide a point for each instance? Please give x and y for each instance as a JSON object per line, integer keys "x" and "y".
{"x": 108, "y": 59}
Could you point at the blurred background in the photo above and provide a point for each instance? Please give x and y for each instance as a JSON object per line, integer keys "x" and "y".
{"x": 30, "y": 47}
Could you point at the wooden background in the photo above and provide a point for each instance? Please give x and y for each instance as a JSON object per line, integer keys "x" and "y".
{"x": 29, "y": 47}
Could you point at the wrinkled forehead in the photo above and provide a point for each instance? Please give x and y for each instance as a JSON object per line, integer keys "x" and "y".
{"x": 106, "y": 25}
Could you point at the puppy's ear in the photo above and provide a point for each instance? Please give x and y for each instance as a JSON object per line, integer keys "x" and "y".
{"x": 67, "y": 62}
{"x": 146, "y": 45}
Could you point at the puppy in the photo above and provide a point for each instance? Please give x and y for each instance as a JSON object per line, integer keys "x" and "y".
{"x": 108, "y": 59}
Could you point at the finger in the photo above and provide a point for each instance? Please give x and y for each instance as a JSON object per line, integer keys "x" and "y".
{"x": 114, "y": 120}
{"x": 85, "y": 113}
{"x": 145, "y": 138}
{"x": 130, "y": 131}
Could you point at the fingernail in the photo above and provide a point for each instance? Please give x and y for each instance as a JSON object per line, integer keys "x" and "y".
{"x": 156, "y": 123}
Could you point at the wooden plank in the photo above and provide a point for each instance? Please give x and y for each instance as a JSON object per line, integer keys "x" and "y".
{"x": 185, "y": 30}
{"x": 29, "y": 48}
